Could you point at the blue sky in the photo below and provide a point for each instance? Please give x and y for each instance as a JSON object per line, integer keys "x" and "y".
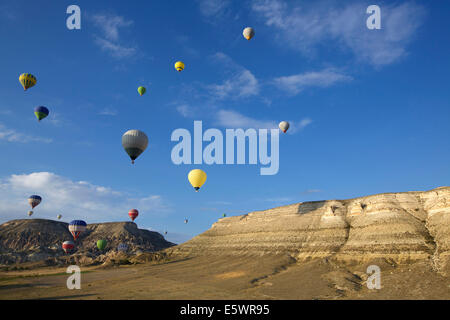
{"x": 369, "y": 109}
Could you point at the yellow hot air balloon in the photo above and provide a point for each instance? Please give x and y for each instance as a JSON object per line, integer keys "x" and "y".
{"x": 27, "y": 80}
{"x": 197, "y": 178}
{"x": 179, "y": 66}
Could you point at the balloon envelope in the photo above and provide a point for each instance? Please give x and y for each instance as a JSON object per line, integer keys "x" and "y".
{"x": 34, "y": 200}
{"x": 76, "y": 227}
{"x": 59, "y": 216}
{"x": 134, "y": 142}
{"x": 101, "y": 244}
{"x": 122, "y": 247}
{"x": 30, "y": 213}
{"x": 68, "y": 246}
{"x": 141, "y": 90}
{"x": 41, "y": 112}
{"x": 284, "y": 126}
{"x": 197, "y": 178}
{"x": 133, "y": 213}
{"x": 27, "y": 80}
{"x": 248, "y": 33}
{"x": 179, "y": 66}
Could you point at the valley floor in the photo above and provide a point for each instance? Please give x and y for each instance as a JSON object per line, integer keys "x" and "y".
{"x": 229, "y": 278}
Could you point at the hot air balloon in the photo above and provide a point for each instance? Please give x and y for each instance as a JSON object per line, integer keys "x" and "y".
{"x": 133, "y": 213}
{"x": 59, "y": 216}
{"x": 76, "y": 227}
{"x": 179, "y": 66}
{"x": 122, "y": 247}
{"x": 30, "y": 213}
{"x": 34, "y": 200}
{"x": 141, "y": 90}
{"x": 27, "y": 80}
{"x": 101, "y": 244}
{"x": 224, "y": 215}
{"x": 68, "y": 246}
{"x": 197, "y": 178}
{"x": 134, "y": 142}
{"x": 165, "y": 232}
{"x": 284, "y": 126}
{"x": 248, "y": 33}
{"x": 185, "y": 220}
{"x": 41, "y": 112}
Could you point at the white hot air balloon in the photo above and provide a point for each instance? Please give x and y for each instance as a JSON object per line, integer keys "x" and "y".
{"x": 248, "y": 33}
{"x": 134, "y": 142}
{"x": 284, "y": 126}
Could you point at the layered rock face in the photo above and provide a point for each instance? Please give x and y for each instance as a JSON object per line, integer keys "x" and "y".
{"x": 29, "y": 240}
{"x": 400, "y": 226}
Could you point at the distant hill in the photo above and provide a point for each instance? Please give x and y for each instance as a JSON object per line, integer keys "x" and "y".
{"x": 28, "y": 240}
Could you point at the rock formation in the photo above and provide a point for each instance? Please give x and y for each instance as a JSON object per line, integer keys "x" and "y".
{"x": 402, "y": 227}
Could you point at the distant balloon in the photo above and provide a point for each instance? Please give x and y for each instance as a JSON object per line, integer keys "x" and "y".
{"x": 165, "y": 232}
{"x": 30, "y": 213}
{"x": 41, "y": 112}
{"x": 34, "y": 200}
{"x": 133, "y": 213}
{"x": 179, "y": 66}
{"x": 59, "y": 216}
{"x": 284, "y": 126}
{"x": 134, "y": 142}
{"x": 76, "y": 227}
{"x": 122, "y": 247}
{"x": 185, "y": 220}
{"x": 27, "y": 80}
{"x": 197, "y": 178}
{"x": 141, "y": 90}
{"x": 101, "y": 244}
{"x": 68, "y": 246}
{"x": 224, "y": 215}
{"x": 248, "y": 33}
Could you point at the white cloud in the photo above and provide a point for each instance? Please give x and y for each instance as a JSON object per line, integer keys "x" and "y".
{"x": 296, "y": 83}
{"x": 213, "y": 8}
{"x": 184, "y": 110}
{"x": 12, "y": 135}
{"x": 108, "y": 112}
{"x": 233, "y": 119}
{"x": 110, "y": 26}
{"x": 308, "y": 26}
{"x": 241, "y": 84}
{"x": 116, "y": 50}
{"x": 73, "y": 199}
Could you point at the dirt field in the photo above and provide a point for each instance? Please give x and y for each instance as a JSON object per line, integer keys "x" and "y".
{"x": 274, "y": 277}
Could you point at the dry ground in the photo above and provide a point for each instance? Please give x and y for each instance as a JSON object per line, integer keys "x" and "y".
{"x": 269, "y": 277}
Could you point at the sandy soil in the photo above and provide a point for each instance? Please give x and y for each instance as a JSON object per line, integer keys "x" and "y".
{"x": 268, "y": 277}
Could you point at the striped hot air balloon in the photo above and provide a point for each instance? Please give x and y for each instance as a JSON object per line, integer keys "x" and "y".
{"x": 68, "y": 246}
{"x": 133, "y": 213}
{"x": 134, "y": 142}
{"x": 27, "y": 80}
{"x": 76, "y": 227}
{"x": 123, "y": 247}
{"x": 34, "y": 200}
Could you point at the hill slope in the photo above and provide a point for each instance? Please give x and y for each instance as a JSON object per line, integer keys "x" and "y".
{"x": 37, "y": 239}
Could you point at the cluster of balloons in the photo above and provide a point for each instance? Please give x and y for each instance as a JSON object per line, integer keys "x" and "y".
{"x": 134, "y": 142}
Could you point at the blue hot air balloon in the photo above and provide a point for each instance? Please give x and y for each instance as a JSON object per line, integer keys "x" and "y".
{"x": 76, "y": 227}
{"x": 41, "y": 112}
{"x": 122, "y": 247}
{"x": 34, "y": 200}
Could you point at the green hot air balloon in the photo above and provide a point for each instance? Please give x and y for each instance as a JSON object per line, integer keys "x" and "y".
{"x": 101, "y": 244}
{"x": 141, "y": 90}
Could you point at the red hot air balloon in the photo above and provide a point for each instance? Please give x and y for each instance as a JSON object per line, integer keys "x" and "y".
{"x": 68, "y": 246}
{"x": 133, "y": 214}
